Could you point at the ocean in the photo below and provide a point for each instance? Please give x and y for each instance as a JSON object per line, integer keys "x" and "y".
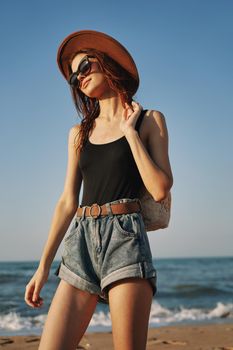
{"x": 190, "y": 291}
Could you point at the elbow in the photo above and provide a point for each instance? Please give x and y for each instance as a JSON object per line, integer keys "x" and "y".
{"x": 68, "y": 203}
{"x": 162, "y": 193}
{"x": 159, "y": 196}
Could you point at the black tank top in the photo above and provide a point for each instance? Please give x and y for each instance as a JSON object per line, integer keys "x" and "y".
{"x": 109, "y": 170}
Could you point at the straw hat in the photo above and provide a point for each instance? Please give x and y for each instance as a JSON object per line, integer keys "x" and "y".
{"x": 85, "y": 39}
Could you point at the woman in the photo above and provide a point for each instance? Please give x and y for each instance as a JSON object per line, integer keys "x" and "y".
{"x": 106, "y": 256}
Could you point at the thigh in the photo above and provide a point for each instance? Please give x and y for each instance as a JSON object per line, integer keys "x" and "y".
{"x": 130, "y": 303}
{"x": 68, "y": 317}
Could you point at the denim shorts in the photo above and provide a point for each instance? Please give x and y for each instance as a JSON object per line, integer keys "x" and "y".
{"x": 102, "y": 250}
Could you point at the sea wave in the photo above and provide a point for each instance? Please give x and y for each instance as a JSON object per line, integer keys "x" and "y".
{"x": 160, "y": 315}
{"x": 14, "y": 323}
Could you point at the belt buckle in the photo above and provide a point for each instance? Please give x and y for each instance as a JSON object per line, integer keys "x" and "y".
{"x": 95, "y": 204}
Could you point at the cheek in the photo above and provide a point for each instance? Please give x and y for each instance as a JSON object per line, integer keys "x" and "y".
{"x": 104, "y": 83}
{"x": 99, "y": 78}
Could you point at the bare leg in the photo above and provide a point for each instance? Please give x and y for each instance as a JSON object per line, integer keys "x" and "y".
{"x": 68, "y": 318}
{"x": 130, "y": 303}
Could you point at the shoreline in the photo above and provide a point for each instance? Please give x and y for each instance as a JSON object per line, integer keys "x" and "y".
{"x": 187, "y": 337}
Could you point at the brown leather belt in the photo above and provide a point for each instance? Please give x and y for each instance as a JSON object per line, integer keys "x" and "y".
{"x": 95, "y": 210}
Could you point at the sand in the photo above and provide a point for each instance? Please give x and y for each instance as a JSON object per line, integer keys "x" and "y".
{"x": 195, "y": 337}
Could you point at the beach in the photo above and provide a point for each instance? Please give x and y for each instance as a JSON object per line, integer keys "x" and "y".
{"x": 190, "y": 337}
{"x": 193, "y": 308}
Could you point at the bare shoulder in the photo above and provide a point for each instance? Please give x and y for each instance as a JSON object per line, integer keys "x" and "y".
{"x": 74, "y": 134}
{"x": 74, "y": 130}
{"x": 156, "y": 120}
{"x": 155, "y": 124}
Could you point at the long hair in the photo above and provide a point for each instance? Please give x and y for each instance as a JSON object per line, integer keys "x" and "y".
{"x": 119, "y": 80}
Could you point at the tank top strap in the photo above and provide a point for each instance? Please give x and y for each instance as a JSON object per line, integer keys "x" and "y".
{"x": 139, "y": 120}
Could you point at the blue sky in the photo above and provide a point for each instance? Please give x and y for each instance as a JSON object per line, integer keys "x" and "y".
{"x": 183, "y": 50}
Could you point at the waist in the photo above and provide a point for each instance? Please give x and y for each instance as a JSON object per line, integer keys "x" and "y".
{"x": 96, "y": 210}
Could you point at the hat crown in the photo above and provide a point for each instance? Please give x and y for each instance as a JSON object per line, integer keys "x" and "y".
{"x": 85, "y": 39}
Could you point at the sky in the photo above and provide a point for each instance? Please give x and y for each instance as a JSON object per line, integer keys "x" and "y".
{"x": 184, "y": 54}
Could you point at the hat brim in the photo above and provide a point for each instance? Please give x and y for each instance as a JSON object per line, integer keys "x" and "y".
{"x": 85, "y": 39}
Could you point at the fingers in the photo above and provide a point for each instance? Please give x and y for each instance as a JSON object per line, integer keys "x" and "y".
{"x": 135, "y": 106}
{"x": 36, "y": 297}
{"x": 32, "y": 297}
{"x": 128, "y": 106}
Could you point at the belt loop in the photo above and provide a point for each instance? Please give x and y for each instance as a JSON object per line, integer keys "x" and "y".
{"x": 83, "y": 212}
{"x": 109, "y": 209}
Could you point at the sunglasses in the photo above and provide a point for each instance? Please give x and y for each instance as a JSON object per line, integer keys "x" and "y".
{"x": 84, "y": 68}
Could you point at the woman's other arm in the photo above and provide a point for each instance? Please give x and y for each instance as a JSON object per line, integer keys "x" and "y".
{"x": 63, "y": 214}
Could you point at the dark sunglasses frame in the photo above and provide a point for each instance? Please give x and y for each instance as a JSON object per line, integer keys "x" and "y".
{"x": 84, "y": 68}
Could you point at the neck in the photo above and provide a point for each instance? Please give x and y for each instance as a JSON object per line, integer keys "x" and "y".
{"x": 110, "y": 108}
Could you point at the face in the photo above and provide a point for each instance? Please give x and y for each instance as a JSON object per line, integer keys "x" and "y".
{"x": 91, "y": 82}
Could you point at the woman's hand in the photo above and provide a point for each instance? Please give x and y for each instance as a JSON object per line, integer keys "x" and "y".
{"x": 129, "y": 117}
{"x": 33, "y": 288}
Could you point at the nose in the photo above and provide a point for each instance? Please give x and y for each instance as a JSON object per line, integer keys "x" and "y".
{"x": 81, "y": 76}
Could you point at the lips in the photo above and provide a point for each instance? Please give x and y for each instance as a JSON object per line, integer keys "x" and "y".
{"x": 85, "y": 83}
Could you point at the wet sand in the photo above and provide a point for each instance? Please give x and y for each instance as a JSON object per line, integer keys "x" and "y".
{"x": 195, "y": 337}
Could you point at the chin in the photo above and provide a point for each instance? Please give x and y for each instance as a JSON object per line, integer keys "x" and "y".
{"x": 96, "y": 89}
{"x": 91, "y": 95}
{"x": 96, "y": 92}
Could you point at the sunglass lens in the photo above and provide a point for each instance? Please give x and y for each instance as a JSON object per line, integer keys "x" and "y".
{"x": 73, "y": 80}
{"x": 84, "y": 67}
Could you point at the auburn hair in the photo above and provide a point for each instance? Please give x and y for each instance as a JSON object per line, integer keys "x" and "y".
{"x": 119, "y": 80}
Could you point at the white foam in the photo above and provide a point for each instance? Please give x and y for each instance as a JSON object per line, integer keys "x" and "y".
{"x": 159, "y": 315}
{"x": 221, "y": 310}
{"x": 101, "y": 319}
{"x": 13, "y": 321}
